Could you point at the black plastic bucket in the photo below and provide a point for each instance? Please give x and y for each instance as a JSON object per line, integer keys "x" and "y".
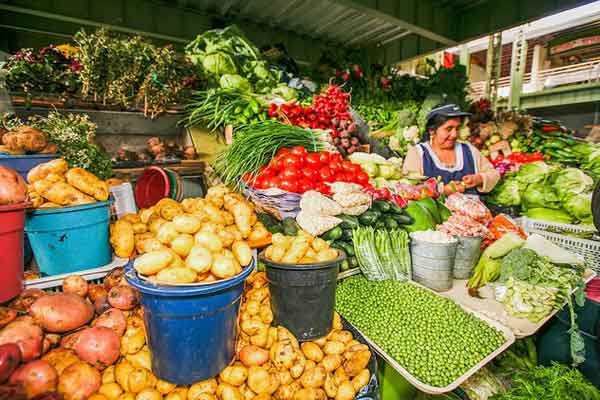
{"x": 303, "y": 296}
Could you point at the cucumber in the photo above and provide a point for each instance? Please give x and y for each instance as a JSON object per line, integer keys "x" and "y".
{"x": 332, "y": 234}
{"x": 353, "y": 262}
{"x": 402, "y": 219}
{"x": 390, "y": 223}
{"x": 369, "y": 217}
{"x": 396, "y": 209}
{"x": 381, "y": 205}
{"x": 345, "y": 265}
{"x": 270, "y": 222}
{"x": 347, "y": 235}
{"x": 348, "y": 248}
{"x": 290, "y": 227}
{"x": 349, "y": 221}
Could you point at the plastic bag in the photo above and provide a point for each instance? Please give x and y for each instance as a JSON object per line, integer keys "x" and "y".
{"x": 475, "y": 209}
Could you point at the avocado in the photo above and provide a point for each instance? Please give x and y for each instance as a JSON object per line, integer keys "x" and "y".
{"x": 431, "y": 206}
{"x": 422, "y": 219}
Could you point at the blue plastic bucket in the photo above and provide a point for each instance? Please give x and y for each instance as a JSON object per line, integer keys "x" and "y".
{"x": 23, "y": 164}
{"x": 191, "y": 329}
{"x": 70, "y": 239}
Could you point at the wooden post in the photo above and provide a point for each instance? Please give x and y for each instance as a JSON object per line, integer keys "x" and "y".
{"x": 535, "y": 66}
{"x": 493, "y": 66}
{"x": 465, "y": 58}
{"x": 517, "y": 69}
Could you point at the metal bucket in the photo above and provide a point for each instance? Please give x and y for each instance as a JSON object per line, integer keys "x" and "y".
{"x": 432, "y": 264}
{"x": 467, "y": 254}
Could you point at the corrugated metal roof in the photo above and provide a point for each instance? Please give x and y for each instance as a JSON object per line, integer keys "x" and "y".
{"x": 322, "y": 19}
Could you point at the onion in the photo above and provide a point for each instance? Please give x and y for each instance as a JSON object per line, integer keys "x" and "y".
{"x": 13, "y": 189}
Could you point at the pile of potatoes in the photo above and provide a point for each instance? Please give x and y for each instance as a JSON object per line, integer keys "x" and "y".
{"x": 54, "y": 184}
{"x": 89, "y": 342}
{"x": 300, "y": 249}
{"x": 199, "y": 240}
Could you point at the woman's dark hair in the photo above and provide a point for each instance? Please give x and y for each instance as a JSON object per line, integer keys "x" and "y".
{"x": 433, "y": 123}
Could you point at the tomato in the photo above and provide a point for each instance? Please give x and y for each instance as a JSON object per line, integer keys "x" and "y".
{"x": 292, "y": 161}
{"x": 277, "y": 163}
{"x": 289, "y": 185}
{"x": 272, "y": 182}
{"x": 260, "y": 182}
{"x": 326, "y": 174}
{"x": 350, "y": 177}
{"x": 298, "y": 151}
{"x": 312, "y": 174}
{"x": 322, "y": 188}
{"x": 247, "y": 177}
{"x": 362, "y": 178}
{"x": 347, "y": 165}
{"x": 282, "y": 152}
{"x": 335, "y": 166}
{"x": 305, "y": 185}
{"x": 312, "y": 159}
{"x": 355, "y": 168}
{"x": 324, "y": 157}
{"x": 290, "y": 173}
{"x": 335, "y": 157}
{"x": 267, "y": 171}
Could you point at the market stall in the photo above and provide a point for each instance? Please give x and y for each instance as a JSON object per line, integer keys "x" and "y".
{"x": 336, "y": 229}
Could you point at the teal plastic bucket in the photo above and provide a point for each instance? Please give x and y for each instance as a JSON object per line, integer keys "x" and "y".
{"x": 70, "y": 239}
{"x": 191, "y": 329}
{"x": 192, "y": 186}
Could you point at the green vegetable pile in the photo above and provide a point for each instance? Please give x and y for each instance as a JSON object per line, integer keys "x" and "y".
{"x": 557, "y": 382}
{"x": 430, "y": 336}
{"x": 547, "y": 193}
{"x": 382, "y": 254}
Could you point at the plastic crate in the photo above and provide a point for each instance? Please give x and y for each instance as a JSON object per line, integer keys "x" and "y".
{"x": 95, "y": 275}
{"x": 589, "y": 249}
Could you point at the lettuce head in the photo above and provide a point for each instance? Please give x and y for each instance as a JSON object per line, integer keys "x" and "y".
{"x": 540, "y": 195}
{"x": 507, "y": 193}
{"x": 579, "y": 205}
{"x": 570, "y": 181}
{"x": 534, "y": 172}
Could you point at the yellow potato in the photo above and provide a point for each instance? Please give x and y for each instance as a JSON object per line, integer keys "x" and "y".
{"x": 145, "y": 214}
{"x": 98, "y": 396}
{"x": 262, "y": 381}
{"x": 334, "y": 348}
{"x": 123, "y": 370}
{"x": 168, "y": 208}
{"x": 108, "y": 375}
{"x": 209, "y": 240}
{"x": 152, "y": 262}
{"x": 345, "y": 391}
{"x": 310, "y": 394}
{"x": 180, "y": 393}
{"x": 224, "y": 266}
{"x": 139, "y": 227}
{"x": 237, "y": 235}
{"x": 200, "y": 259}
{"x": 330, "y": 386}
{"x": 234, "y": 374}
{"x": 154, "y": 223}
{"x": 122, "y": 238}
{"x": 182, "y": 244}
{"x": 340, "y": 376}
{"x": 187, "y": 223}
{"x": 131, "y": 218}
{"x": 327, "y": 255}
{"x": 259, "y": 232}
{"x": 360, "y": 380}
{"x": 228, "y": 392}
{"x": 167, "y": 232}
{"x": 207, "y": 386}
{"x": 312, "y": 351}
{"x": 141, "y": 379}
{"x": 141, "y": 359}
{"x": 309, "y": 364}
{"x": 202, "y": 396}
{"x": 331, "y": 362}
{"x": 242, "y": 252}
{"x": 149, "y": 244}
{"x": 176, "y": 262}
{"x": 149, "y": 394}
{"x": 313, "y": 377}
{"x": 341, "y": 336}
{"x": 165, "y": 387}
{"x": 111, "y": 390}
{"x": 337, "y": 321}
{"x": 176, "y": 275}
{"x": 127, "y": 396}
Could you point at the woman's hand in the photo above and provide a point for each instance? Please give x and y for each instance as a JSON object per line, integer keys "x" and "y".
{"x": 473, "y": 180}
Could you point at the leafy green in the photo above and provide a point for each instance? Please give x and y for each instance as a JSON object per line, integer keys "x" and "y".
{"x": 570, "y": 181}
{"x": 234, "y": 82}
{"x": 219, "y": 63}
{"x": 547, "y": 214}
{"x": 489, "y": 265}
{"x": 540, "y": 195}
{"x": 534, "y": 172}
{"x": 579, "y": 205}
{"x": 520, "y": 264}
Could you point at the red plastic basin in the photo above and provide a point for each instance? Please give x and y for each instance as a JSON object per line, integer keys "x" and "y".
{"x": 12, "y": 221}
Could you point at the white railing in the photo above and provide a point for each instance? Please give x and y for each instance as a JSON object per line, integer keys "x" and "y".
{"x": 544, "y": 79}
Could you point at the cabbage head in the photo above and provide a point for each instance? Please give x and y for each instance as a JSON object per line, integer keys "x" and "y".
{"x": 507, "y": 193}
{"x": 579, "y": 205}
{"x": 534, "y": 172}
{"x": 228, "y": 81}
{"x": 570, "y": 181}
{"x": 540, "y": 195}
{"x": 546, "y": 214}
{"x": 219, "y": 63}
{"x": 284, "y": 91}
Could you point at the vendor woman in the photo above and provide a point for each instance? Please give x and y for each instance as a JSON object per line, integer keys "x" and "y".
{"x": 460, "y": 165}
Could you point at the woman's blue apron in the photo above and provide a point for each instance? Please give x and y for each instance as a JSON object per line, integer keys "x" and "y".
{"x": 464, "y": 164}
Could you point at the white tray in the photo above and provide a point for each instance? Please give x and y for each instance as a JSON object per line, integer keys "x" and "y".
{"x": 509, "y": 340}
{"x": 55, "y": 281}
{"x": 489, "y": 307}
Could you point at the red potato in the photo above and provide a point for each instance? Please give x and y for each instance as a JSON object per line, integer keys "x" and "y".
{"x": 61, "y": 312}
{"x": 101, "y": 305}
{"x": 113, "y": 319}
{"x": 75, "y": 284}
{"x": 99, "y": 346}
{"x": 7, "y": 315}
{"x": 25, "y": 334}
{"x": 10, "y": 358}
{"x": 79, "y": 381}
{"x": 96, "y": 291}
{"x": 61, "y": 358}
{"x": 123, "y": 297}
{"x": 12, "y": 392}
{"x": 26, "y": 298}
{"x": 36, "y": 377}
{"x": 69, "y": 341}
{"x": 49, "y": 396}
{"x": 113, "y": 278}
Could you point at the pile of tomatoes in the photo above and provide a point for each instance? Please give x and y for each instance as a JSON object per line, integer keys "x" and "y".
{"x": 296, "y": 170}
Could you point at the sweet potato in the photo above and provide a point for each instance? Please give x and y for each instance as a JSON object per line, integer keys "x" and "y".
{"x": 95, "y": 291}
{"x": 7, "y": 315}
{"x": 113, "y": 278}
{"x": 61, "y": 359}
{"x": 26, "y": 298}
{"x": 79, "y": 381}
{"x": 113, "y": 319}
{"x": 10, "y": 358}
{"x": 61, "y": 312}
{"x": 75, "y": 284}
{"x": 123, "y": 297}
{"x": 25, "y": 334}
{"x": 36, "y": 377}
{"x": 99, "y": 346}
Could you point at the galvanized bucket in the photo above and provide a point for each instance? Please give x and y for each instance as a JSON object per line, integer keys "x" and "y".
{"x": 467, "y": 254}
{"x": 432, "y": 264}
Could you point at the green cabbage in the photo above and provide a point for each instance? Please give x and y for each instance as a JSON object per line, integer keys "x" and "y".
{"x": 540, "y": 195}
{"x": 579, "y": 205}
{"x": 534, "y": 172}
{"x": 286, "y": 92}
{"x": 219, "y": 63}
{"x": 386, "y": 171}
{"x": 507, "y": 193}
{"x": 571, "y": 181}
{"x": 228, "y": 81}
{"x": 546, "y": 214}
{"x": 370, "y": 168}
